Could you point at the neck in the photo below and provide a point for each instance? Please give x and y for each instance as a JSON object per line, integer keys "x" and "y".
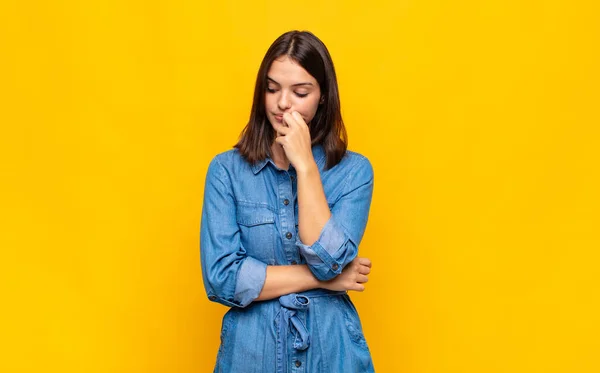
{"x": 278, "y": 156}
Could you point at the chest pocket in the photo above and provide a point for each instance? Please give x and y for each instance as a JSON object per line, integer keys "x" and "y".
{"x": 257, "y": 231}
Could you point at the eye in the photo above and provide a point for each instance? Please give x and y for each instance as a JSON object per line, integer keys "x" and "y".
{"x": 301, "y": 94}
{"x": 270, "y": 90}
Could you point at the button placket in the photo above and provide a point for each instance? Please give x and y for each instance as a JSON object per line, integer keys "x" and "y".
{"x": 286, "y": 213}
{"x": 298, "y": 361}
{"x": 294, "y": 208}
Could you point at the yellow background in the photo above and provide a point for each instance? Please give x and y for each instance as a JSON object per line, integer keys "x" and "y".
{"x": 481, "y": 119}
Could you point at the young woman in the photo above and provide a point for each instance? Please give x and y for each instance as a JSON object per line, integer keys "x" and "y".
{"x": 284, "y": 213}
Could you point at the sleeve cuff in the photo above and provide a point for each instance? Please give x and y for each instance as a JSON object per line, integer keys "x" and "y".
{"x": 321, "y": 255}
{"x": 250, "y": 281}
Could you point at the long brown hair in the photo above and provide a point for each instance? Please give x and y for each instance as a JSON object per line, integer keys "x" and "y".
{"x": 326, "y": 128}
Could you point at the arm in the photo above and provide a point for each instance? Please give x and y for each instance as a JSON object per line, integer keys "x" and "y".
{"x": 313, "y": 211}
{"x": 312, "y": 205}
{"x": 338, "y": 239}
{"x": 230, "y": 276}
{"x": 339, "y": 232}
{"x": 287, "y": 279}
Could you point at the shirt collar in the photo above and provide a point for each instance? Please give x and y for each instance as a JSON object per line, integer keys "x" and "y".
{"x": 318, "y": 155}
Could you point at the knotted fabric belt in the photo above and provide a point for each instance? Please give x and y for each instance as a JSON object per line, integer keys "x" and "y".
{"x": 289, "y": 321}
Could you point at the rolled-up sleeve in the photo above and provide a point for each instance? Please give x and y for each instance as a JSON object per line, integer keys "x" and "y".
{"x": 230, "y": 276}
{"x": 338, "y": 241}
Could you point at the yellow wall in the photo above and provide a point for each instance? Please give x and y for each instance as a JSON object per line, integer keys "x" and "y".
{"x": 481, "y": 119}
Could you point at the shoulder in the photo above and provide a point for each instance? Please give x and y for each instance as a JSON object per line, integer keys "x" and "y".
{"x": 223, "y": 163}
{"x": 230, "y": 165}
{"x": 354, "y": 163}
{"x": 353, "y": 171}
{"x": 228, "y": 160}
{"x": 359, "y": 171}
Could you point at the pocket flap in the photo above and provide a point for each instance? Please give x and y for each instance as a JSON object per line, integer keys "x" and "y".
{"x": 254, "y": 215}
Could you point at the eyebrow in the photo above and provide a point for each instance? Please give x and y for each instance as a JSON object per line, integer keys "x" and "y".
{"x": 293, "y": 85}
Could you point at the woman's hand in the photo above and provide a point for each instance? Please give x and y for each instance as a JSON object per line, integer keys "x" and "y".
{"x": 295, "y": 140}
{"x": 353, "y": 276}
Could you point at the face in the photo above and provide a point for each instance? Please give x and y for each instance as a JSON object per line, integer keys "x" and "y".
{"x": 290, "y": 88}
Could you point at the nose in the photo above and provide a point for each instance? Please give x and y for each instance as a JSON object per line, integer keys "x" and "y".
{"x": 284, "y": 102}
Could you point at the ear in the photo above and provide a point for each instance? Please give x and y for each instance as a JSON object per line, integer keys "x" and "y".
{"x": 322, "y": 100}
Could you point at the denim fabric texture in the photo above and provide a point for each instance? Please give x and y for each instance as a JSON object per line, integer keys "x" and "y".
{"x": 249, "y": 221}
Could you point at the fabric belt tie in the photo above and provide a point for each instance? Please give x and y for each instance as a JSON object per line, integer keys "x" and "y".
{"x": 289, "y": 321}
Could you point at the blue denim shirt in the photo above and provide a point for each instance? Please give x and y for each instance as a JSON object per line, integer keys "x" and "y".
{"x": 250, "y": 220}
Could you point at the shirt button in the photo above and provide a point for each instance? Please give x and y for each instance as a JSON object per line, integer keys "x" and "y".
{"x": 212, "y": 297}
{"x": 294, "y": 262}
{"x": 291, "y": 177}
{"x": 288, "y": 235}
{"x": 286, "y": 201}
{"x": 335, "y": 266}
{"x": 298, "y": 363}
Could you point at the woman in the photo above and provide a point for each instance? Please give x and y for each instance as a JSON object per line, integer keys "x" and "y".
{"x": 284, "y": 213}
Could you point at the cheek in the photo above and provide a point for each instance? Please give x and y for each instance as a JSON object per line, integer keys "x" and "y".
{"x": 308, "y": 108}
{"x": 269, "y": 101}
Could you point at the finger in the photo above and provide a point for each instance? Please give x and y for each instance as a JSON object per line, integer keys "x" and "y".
{"x": 281, "y": 130}
{"x": 358, "y": 287}
{"x": 281, "y": 140}
{"x": 290, "y": 119}
{"x": 299, "y": 119}
{"x": 362, "y": 279}
{"x": 364, "y": 270}
{"x": 281, "y": 127}
{"x": 365, "y": 262}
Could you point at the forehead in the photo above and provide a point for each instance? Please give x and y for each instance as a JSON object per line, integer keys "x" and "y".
{"x": 286, "y": 71}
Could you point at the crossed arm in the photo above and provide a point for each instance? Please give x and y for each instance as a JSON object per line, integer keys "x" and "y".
{"x": 314, "y": 214}
{"x": 328, "y": 240}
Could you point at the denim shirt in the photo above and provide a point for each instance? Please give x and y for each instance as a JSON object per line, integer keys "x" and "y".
{"x": 250, "y": 220}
